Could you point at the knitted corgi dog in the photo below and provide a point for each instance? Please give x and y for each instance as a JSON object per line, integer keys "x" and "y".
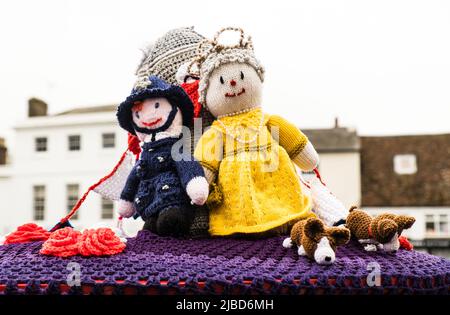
{"x": 317, "y": 241}
{"x": 247, "y": 153}
{"x": 166, "y": 181}
{"x": 381, "y": 232}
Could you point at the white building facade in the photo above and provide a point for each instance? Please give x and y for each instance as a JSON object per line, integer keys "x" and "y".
{"x": 54, "y": 161}
{"x": 339, "y": 151}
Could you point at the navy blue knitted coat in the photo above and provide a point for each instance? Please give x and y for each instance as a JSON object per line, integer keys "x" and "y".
{"x": 158, "y": 180}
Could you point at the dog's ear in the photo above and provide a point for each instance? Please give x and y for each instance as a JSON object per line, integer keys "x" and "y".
{"x": 314, "y": 228}
{"x": 340, "y": 236}
{"x": 404, "y": 222}
{"x": 387, "y": 229}
{"x": 353, "y": 208}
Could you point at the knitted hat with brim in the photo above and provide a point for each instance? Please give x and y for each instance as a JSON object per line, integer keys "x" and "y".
{"x": 150, "y": 87}
{"x": 214, "y": 55}
{"x": 168, "y": 53}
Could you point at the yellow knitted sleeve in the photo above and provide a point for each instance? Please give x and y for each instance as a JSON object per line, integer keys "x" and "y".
{"x": 290, "y": 136}
{"x": 209, "y": 150}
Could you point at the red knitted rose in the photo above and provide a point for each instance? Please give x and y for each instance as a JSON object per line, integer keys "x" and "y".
{"x": 191, "y": 90}
{"x": 133, "y": 144}
{"x": 100, "y": 242}
{"x": 404, "y": 243}
{"x": 27, "y": 233}
{"x": 62, "y": 243}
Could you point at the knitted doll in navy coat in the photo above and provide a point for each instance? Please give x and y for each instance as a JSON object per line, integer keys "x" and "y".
{"x": 167, "y": 181}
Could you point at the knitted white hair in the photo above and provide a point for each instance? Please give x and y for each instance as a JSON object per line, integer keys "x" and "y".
{"x": 212, "y": 55}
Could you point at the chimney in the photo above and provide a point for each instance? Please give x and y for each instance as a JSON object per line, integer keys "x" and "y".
{"x": 336, "y": 122}
{"x": 2, "y": 152}
{"x": 37, "y": 108}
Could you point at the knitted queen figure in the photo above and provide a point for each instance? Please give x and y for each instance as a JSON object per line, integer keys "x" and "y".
{"x": 240, "y": 153}
{"x": 166, "y": 182}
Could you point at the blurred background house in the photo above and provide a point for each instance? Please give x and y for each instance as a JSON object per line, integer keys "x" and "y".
{"x": 55, "y": 158}
{"x": 339, "y": 150}
{"x": 410, "y": 175}
{"x": 3, "y": 152}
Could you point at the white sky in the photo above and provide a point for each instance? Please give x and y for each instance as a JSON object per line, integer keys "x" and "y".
{"x": 382, "y": 66}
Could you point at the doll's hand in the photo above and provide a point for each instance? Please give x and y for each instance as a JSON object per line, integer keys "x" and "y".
{"x": 126, "y": 208}
{"x": 307, "y": 159}
{"x": 198, "y": 190}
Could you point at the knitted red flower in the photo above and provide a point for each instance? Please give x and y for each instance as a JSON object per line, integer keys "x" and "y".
{"x": 100, "y": 242}
{"x": 62, "y": 243}
{"x": 191, "y": 90}
{"x": 133, "y": 144}
{"x": 27, "y": 233}
{"x": 404, "y": 243}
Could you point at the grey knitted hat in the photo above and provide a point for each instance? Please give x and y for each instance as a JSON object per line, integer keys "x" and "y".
{"x": 212, "y": 55}
{"x": 168, "y": 53}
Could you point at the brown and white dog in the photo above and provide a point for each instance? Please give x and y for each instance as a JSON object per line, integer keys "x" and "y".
{"x": 317, "y": 241}
{"x": 378, "y": 233}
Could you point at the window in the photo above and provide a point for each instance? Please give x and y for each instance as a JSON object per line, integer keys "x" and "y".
{"x": 437, "y": 225}
{"x": 109, "y": 140}
{"x": 107, "y": 209}
{"x": 72, "y": 198}
{"x": 38, "y": 202}
{"x": 429, "y": 224}
{"x": 40, "y": 144}
{"x": 75, "y": 143}
{"x": 405, "y": 164}
{"x": 443, "y": 224}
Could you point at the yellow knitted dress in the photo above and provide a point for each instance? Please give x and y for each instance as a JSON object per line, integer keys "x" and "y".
{"x": 260, "y": 187}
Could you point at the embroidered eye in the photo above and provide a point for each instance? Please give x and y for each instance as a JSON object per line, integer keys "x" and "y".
{"x": 221, "y": 80}
{"x": 156, "y": 105}
{"x": 242, "y": 75}
{"x": 137, "y": 115}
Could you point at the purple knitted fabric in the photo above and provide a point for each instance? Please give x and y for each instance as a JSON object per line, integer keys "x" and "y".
{"x": 156, "y": 265}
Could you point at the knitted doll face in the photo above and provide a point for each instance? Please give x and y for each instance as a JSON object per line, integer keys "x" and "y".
{"x": 233, "y": 87}
{"x": 153, "y": 113}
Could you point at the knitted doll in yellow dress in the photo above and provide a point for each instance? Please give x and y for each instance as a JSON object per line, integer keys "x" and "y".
{"x": 248, "y": 153}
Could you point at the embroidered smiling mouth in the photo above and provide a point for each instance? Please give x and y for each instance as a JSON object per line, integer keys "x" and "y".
{"x": 234, "y": 94}
{"x": 152, "y": 123}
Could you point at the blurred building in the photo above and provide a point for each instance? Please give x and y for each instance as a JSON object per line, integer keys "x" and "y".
{"x": 410, "y": 175}
{"x": 3, "y": 152}
{"x": 5, "y": 188}
{"x": 54, "y": 160}
{"x": 339, "y": 150}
